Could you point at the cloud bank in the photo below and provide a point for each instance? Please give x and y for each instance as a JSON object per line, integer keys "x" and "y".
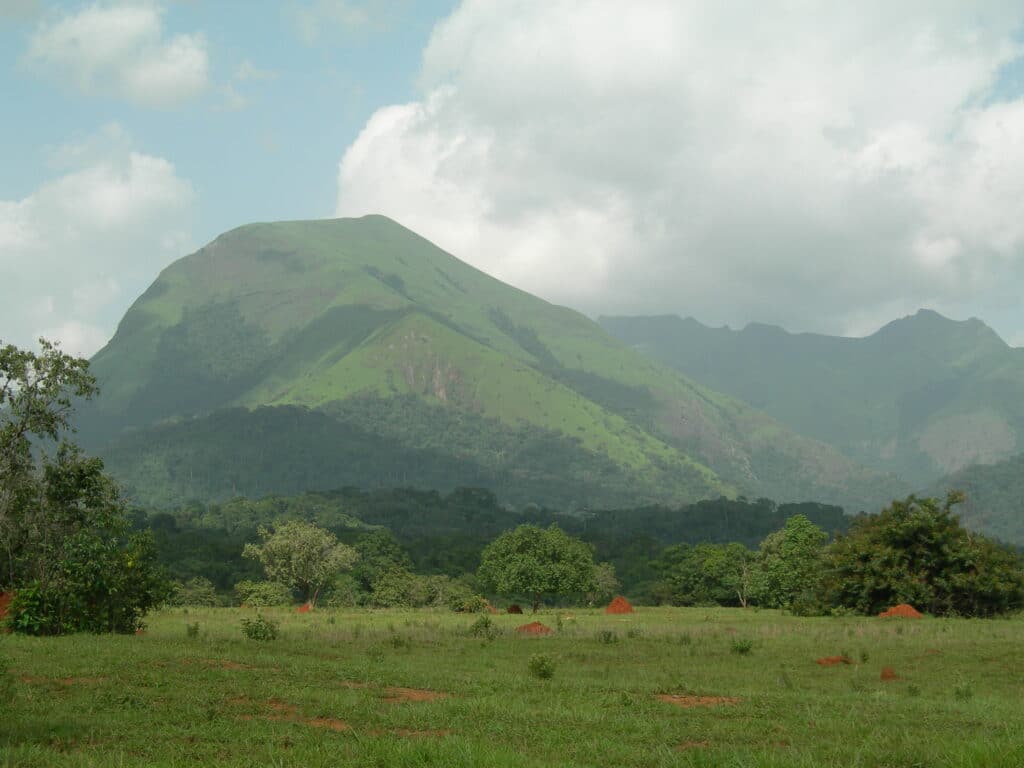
{"x": 825, "y": 167}
{"x": 80, "y": 247}
{"x": 122, "y": 50}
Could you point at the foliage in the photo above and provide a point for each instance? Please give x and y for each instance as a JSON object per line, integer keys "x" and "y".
{"x": 789, "y": 566}
{"x": 916, "y": 551}
{"x": 605, "y": 584}
{"x": 344, "y": 592}
{"x": 537, "y": 562}
{"x": 259, "y": 594}
{"x": 196, "y": 591}
{"x": 708, "y": 574}
{"x": 541, "y": 666}
{"x": 379, "y": 553}
{"x": 260, "y": 628}
{"x": 67, "y": 549}
{"x": 484, "y": 627}
{"x": 741, "y": 646}
{"x": 301, "y": 556}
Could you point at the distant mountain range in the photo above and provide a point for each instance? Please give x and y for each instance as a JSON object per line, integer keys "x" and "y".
{"x": 299, "y": 356}
{"x": 922, "y": 397}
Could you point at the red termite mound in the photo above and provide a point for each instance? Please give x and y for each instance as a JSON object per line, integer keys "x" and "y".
{"x": 533, "y": 628}
{"x": 888, "y": 674}
{"x": 619, "y": 605}
{"x": 514, "y": 609}
{"x": 491, "y": 608}
{"x": 902, "y": 611}
{"x": 304, "y": 608}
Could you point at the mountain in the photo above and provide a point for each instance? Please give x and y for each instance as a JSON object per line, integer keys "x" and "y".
{"x": 922, "y": 397}
{"x": 994, "y": 497}
{"x": 297, "y": 356}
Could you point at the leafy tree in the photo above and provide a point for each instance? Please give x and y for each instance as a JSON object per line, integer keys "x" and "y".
{"x": 708, "y": 574}
{"x": 196, "y": 591}
{"x": 68, "y": 550}
{"x": 537, "y": 562}
{"x": 789, "y": 566}
{"x": 301, "y": 556}
{"x": 259, "y": 594}
{"x": 916, "y": 551}
{"x": 379, "y": 553}
{"x": 605, "y": 584}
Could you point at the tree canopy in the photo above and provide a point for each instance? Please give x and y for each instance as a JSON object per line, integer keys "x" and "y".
{"x": 538, "y": 563}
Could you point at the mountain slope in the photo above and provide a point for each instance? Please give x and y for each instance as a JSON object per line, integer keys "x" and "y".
{"x": 923, "y": 396}
{"x": 994, "y": 497}
{"x": 368, "y": 329}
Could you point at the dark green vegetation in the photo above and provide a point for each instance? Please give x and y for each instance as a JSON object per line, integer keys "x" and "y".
{"x": 340, "y": 688}
{"x": 916, "y": 551}
{"x": 66, "y": 548}
{"x": 298, "y": 356}
{"x": 922, "y": 397}
{"x": 443, "y": 534}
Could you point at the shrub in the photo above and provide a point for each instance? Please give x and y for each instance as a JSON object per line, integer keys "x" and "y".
{"x": 742, "y": 646}
{"x": 192, "y": 631}
{"x": 607, "y": 637}
{"x": 261, "y": 594}
{"x": 195, "y": 592}
{"x": 483, "y": 627}
{"x": 259, "y": 628}
{"x": 541, "y": 666}
{"x": 471, "y": 604}
{"x": 344, "y": 592}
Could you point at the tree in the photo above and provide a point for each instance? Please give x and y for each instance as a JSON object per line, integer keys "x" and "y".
{"x": 68, "y": 552}
{"x": 916, "y": 551}
{"x": 605, "y": 584}
{"x": 538, "y": 563}
{"x": 301, "y": 556}
{"x": 789, "y": 566}
{"x": 708, "y": 574}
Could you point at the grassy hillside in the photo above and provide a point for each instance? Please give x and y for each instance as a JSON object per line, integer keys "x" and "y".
{"x": 400, "y": 361}
{"x": 923, "y": 396}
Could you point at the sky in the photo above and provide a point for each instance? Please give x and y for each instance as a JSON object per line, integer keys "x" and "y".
{"x": 825, "y": 167}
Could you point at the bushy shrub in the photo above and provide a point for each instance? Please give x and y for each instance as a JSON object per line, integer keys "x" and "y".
{"x": 259, "y": 628}
{"x": 607, "y": 637}
{"x": 198, "y": 591}
{"x": 260, "y": 594}
{"x": 192, "y": 631}
{"x": 541, "y": 666}
{"x": 483, "y": 627}
{"x": 344, "y": 592}
{"x": 742, "y": 646}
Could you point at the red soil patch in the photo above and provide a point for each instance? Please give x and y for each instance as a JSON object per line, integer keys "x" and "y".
{"x": 5, "y": 603}
{"x": 400, "y": 695}
{"x": 514, "y": 609}
{"x": 282, "y": 712}
{"x": 619, "y": 605}
{"x": 888, "y": 674}
{"x": 533, "y": 628}
{"x": 831, "y": 661}
{"x": 901, "y": 611}
{"x": 688, "y": 702}
{"x": 304, "y": 608}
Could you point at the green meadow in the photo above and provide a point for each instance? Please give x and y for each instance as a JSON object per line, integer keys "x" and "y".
{"x": 417, "y": 688}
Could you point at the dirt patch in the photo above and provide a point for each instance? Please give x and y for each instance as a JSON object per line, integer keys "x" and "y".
{"x": 901, "y": 611}
{"x": 217, "y": 664}
{"x": 831, "y": 661}
{"x": 693, "y": 745}
{"x": 689, "y": 702}
{"x": 64, "y": 681}
{"x": 491, "y": 608}
{"x": 888, "y": 674}
{"x": 401, "y": 695}
{"x": 619, "y": 605}
{"x": 5, "y": 603}
{"x": 534, "y": 629}
{"x": 282, "y": 712}
{"x": 514, "y": 609}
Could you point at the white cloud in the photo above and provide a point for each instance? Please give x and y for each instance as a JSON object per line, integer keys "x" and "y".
{"x": 76, "y": 251}
{"x": 315, "y": 19}
{"x": 820, "y": 166}
{"x": 121, "y": 49}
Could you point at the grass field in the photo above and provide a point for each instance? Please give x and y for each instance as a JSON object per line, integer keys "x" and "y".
{"x": 342, "y": 688}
